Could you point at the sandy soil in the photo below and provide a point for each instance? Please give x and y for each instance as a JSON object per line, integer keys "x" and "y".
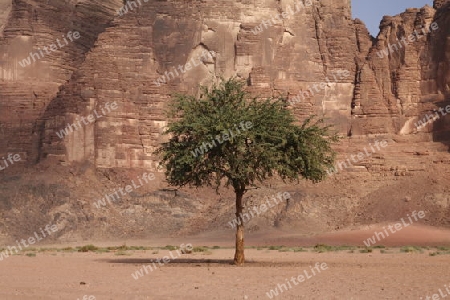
{"x": 57, "y": 275}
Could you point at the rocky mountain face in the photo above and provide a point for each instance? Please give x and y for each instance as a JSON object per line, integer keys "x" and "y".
{"x": 137, "y": 55}
{"x": 401, "y": 81}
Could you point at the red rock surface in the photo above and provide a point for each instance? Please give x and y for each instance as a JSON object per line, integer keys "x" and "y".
{"x": 118, "y": 58}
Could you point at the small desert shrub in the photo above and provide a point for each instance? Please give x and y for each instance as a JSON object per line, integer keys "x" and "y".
{"x": 366, "y": 250}
{"x": 299, "y": 249}
{"x": 439, "y": 253}
{"x": 275, "y": 247}
{"x": 125, "y": 247}
{"x": 68, "y": 249}
{"x": 122, "y": 247}
{"x": 102, "y": 250}
{"x": 139, "y": 248}
{"x": 45, "y": 249}
{"x": 321, "y": 248}
{"x": 344, "y": 248}
{"x": 411, "y": 249}
{"x": 170, "y": 247}
{"x": 200, "y": 249}
{"x": 378, "y": 247}
{"x": 87, "y": 248}
{"x": 442, "y": 248}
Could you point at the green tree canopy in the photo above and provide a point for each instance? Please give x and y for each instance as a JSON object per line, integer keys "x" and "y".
{"x": 225, "y": 137}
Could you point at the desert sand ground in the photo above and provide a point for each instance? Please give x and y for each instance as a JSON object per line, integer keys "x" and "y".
{"x": 210, "y": 275}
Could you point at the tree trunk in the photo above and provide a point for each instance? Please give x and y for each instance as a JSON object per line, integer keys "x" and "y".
{"x": 239, "y": 253}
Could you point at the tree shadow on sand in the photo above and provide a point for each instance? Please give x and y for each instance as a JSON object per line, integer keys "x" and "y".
{"x": 176, "y": 261}
{"x": 201, "y": 262}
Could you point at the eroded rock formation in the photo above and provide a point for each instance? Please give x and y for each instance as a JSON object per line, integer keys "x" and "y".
{"x": 133, "y": 60}
{"x": 384, "y": 94}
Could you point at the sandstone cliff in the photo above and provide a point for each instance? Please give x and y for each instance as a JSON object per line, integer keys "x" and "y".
{"x": 121, "y": 58}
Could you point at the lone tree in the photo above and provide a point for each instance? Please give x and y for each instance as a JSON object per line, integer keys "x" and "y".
{"x": 225, "y": 137}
